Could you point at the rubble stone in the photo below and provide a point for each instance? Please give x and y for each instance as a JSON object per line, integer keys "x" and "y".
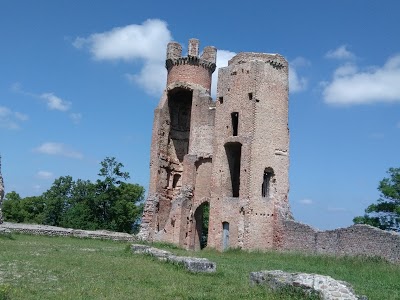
{"x": 325, "y": 286}
{"x": 192, "y": 264}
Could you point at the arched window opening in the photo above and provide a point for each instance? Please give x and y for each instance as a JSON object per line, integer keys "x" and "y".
{"x": 175, "y": 180}
{"x": 235, "y": 123}
{"x": 234, "y": 153}
{"x": 225, "y": 236}
{"x": 180, "y": 107}
{"x": 266, "y": 185}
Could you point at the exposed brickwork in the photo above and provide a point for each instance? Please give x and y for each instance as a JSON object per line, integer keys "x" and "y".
{"x": 217, "y": 152}
{"x": 233, "y": 154}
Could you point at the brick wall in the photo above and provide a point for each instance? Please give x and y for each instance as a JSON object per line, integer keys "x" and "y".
{"x": 353, "y": 240}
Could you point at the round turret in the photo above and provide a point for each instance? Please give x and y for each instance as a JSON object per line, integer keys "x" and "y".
{"x": 190, "y": 69}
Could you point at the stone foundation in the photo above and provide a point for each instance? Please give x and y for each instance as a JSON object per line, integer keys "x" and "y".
{"x": 58, "y": 231}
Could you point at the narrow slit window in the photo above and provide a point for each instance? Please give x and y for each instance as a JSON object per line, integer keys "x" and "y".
{"x": 235, "y": 123}
{"x": 250, "y": 96}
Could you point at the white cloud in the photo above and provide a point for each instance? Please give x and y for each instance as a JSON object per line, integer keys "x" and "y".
{"x": 152, "y": 77}
{"x": 297, "y": 83}
{"x": 51, "y": 148}
{"x": 347, "y": 69}
{"x": 55, "y": 103}
{"x": 145, "y": 43}
{"x": 350, "y": 86}
{"x": 52, "y": 101}
{"x": 44, "y": 175}
{"x": 21, "y": 116}
{"x": 75, "y": 117}
{"x": 223, "y": 56}
{"x": 300, "y": 62}
{"x": 340, "y": 53}
{"x": 306, "y": 201}
{"x": 10, "y": 119}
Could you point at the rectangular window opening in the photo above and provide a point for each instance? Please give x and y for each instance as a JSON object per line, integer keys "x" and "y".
{"x": 234, "y": 153}
{"x": 221, "y": 100}
{"x": 250, "y": 96}
{"x": 266, "y": 185}
{"x": 235, "y": 123}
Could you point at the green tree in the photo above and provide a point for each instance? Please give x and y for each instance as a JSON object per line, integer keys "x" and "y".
{"x": 385, "y": 214}
{"x": 11, "y": 207}
{"x": 118, "y": 202}
{"x": 128, "y": 207}
{"x": 58, "y": 200}
{"x": 111, "y": 171}
{"x": 109, "y": 203}
{"x": 32, "y": 209}
{"x": 27, "y": 210}
{"x": 81, "y": 211}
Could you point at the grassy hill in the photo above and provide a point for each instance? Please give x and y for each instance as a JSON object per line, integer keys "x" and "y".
{"x": 39, "y": 267}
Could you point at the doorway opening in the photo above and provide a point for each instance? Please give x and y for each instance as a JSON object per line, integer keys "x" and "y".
{"x": 201, "y": 216}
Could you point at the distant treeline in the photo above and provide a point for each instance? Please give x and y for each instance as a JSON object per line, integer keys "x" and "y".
{"x": 107, "y": 203}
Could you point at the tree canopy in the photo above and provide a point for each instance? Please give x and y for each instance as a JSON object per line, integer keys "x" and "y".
{"x": 109, "y": 203}
{"x": 385, "y": 214}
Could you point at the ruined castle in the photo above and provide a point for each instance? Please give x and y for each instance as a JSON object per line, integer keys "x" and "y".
{"x": 228, "y": 157}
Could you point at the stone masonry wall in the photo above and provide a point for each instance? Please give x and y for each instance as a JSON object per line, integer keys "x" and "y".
{"x": 59, "y": 231}
{"x": 251, "y": 122}
{"x": 354, "y": 240}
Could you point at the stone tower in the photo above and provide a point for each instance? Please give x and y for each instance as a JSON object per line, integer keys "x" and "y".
{"x": 228, "y": 157}
{"x": 1, "y": 193}
{"x": 249, "y": 191}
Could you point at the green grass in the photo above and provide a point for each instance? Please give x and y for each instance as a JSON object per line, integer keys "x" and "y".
{"x": 38, "y": 267}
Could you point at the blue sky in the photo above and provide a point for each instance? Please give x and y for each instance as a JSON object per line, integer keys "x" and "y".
{"x": 79, "y": 81}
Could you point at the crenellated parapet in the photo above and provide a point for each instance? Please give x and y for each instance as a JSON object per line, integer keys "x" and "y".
{"x": 193, "y": 68}
{"x": 190, "y": 60}
{"x": 206, "y": 60}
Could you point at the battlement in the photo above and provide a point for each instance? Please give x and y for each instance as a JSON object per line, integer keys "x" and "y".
{"x": 191, "y": 69}
{"x": 207, "y": 59}
{"x": 277, "y": 61}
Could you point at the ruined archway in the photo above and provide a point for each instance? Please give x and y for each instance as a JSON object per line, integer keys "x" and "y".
{"x": 180, "y": 108}
{"x": 201, "y": 218}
